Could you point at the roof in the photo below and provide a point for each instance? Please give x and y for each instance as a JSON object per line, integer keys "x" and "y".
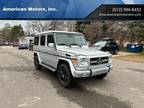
{"x": 57, "y": 32}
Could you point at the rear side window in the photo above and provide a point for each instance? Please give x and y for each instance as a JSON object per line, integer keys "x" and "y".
{"x": 42, "y": 41}
{"x": 50, "y": 39}
{"x": 36, "y": 40}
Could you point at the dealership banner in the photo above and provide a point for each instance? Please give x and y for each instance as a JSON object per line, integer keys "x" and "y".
{"x": 72, "y": 9}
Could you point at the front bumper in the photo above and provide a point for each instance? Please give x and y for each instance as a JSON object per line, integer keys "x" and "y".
{"x": 92, "y": 72}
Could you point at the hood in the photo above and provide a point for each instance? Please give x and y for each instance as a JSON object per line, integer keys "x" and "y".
{"x": 98, "y": 47}
{"x": 84, "y": 51}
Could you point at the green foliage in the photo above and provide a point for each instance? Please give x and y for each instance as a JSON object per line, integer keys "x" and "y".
{"x": 16, "y": 32}
{"x": 12, "y": 33}
{"x": 6, "y": 33}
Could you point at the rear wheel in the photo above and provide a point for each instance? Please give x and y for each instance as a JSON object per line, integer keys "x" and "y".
{"x": 36, "y": 63}
{"x": 112, "y": 51}
{"x": 64, "y": 76}
{"x": 101, "y": 76}
{"x": 116, "y": 51}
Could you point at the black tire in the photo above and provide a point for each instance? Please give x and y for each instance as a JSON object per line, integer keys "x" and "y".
{"x": 112, "y": 51}
{"x": 116, "y": 51}
{"x": 36, "y": 63}
{"x": 101, "y": 76}
{"x": 64, "y": 76}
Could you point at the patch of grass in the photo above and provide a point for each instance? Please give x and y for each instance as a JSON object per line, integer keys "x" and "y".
{"x": 142, "y": 54}
{"x": 123, "y": 49}
{"x": 134, "y": 57}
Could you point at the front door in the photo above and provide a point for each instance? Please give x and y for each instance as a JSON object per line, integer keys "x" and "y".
{"x": 51, "y": 57}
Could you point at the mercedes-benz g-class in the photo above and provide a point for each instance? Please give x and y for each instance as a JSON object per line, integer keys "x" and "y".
{"x": 68, "y": 54}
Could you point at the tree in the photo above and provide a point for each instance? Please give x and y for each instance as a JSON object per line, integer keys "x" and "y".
{"x": 7, "y": 25}
{"x": 119, "y": 32}
{"x": 136, "y": 30}
{"x": 81, "y": 25}
{"x": 16, "y": 32}
{"x": 41, "y": 26}
{"x": 5, "y": 32}
{"x": 96, "y": 30}
{"x": 37, "y": 26}
{"x": 12, "y": 33}
{"x": 104, "y": 29}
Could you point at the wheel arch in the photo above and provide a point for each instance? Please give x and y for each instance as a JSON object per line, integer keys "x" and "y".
{"x": 37, "y": 54}
{"x": 65, "y": 61}
{"x": 62, "y": 61}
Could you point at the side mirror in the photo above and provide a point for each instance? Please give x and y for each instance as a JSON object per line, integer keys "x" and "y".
{"x": 51, "y": 45}
{"x": 88, "y": 44}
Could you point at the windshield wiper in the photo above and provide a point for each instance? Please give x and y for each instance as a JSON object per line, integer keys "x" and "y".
{"x": 75, "y": 44}
{"x": 63, "y": 44}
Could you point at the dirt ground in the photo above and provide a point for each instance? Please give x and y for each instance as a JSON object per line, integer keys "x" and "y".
{"x": 21, "y": 86}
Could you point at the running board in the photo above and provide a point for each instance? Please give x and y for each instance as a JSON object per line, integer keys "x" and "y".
{"x": 48, "y": 67}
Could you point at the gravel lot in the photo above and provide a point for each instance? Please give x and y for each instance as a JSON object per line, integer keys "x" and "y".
{"x": 21, "y": 86}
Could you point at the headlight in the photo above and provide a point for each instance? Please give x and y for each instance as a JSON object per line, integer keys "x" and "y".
{"x": 80, "y": 62}
{"x": 83, "y": 61}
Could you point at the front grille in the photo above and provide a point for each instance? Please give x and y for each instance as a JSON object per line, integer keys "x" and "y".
{"x": 99, "y": 60}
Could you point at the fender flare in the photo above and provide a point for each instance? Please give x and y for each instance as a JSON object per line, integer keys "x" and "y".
{"x": 69, "y": 63}
{"x": 37, "y": 55}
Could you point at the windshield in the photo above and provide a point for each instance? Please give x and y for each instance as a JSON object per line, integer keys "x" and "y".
{"x": 100, "y": 44}
{"x": 70, "y": 39}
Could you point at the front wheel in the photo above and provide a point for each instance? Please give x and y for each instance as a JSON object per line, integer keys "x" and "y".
{"x": 101, "y": 76}
{"x": 64, "y": 76}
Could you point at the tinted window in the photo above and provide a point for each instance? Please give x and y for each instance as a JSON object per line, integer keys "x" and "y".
{"x": 36, "y": 40}
{"x": 42, "y": 42}
{"x": 50, "y": 39}
{"x": 113, "y": 43}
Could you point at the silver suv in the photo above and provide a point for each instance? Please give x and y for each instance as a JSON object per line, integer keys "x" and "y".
{"x": 68, "y": 54}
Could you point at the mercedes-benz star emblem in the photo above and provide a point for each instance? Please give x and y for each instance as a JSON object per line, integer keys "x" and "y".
{"x": 99, "y": 60}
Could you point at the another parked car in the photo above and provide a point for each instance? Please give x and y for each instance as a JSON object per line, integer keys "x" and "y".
{"x": 23, "y": 46}
{"x": 107, "y": 45}
{"x": 68, "y": 54}
{"x": 1, "y": 43}
{"x": 15, "y": 44}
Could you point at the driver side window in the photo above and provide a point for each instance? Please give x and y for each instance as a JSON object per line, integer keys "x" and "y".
{"x": 50, "y": 40}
